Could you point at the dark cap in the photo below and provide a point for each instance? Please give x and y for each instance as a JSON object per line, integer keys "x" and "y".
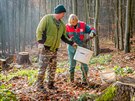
{"x": 59, "y": 9}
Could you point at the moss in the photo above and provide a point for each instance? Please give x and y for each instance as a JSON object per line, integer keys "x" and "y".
{"x": 108, "y": 94}
{"x": 31, "y": 74}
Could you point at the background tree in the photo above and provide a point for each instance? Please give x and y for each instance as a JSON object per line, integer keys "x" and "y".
{"x": 74, "y": 3}
{"x": 96, "y": 39}
{"x": 19, "y": 20}
{"x": 116, "y": 26}
{"x": 127, "y": 29}
{"x": 120, "y": 26}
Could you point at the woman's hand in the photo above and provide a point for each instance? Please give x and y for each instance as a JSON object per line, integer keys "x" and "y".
{"x": 74, "y": 45}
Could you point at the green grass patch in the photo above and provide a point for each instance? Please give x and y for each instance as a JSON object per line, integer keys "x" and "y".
{"x": 123, "y": 71}
{"x": 61, "y": 70}
{"x": 31, "y": 74}
{"x": 85, "y": 97}
{"x": 78, "y": 67}
{"x": 6, "y": 95}
{"x": 63, "y": 64}
{"x": 101, "y": 59}
{"x": 107, "y": 95}
{"x": 64, "y": 67}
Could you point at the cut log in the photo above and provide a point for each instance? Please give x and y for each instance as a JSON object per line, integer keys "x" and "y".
{"x": 124, "y": 92}
{"x": 23, "y": 58}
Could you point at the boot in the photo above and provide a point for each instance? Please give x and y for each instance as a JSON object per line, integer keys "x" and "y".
{"x": 85, "y": 82}
{"x": 84, "y": 69}
{"x": 51, "y": 86}
{"x": 72, "y": 77}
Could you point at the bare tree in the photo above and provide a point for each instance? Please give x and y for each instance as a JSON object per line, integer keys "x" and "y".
{"x": 74, "y": 3}
{"x": 116, "y": 27}
{"x": 127, "y": 28}
{"x": 96, "y": 40}
{"x": 120, "y": 26}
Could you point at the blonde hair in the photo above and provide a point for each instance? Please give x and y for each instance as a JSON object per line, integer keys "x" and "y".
{"x": 73, "y": 19}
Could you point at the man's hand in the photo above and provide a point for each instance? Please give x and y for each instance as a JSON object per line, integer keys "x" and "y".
{"x": 40, "y": 47}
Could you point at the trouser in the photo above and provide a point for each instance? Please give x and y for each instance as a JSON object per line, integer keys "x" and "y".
{"x": 47, "y": 60}
{"x": 72, "y": 64}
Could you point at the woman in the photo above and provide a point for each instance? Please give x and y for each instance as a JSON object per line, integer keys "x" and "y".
{"x": 75, "y": 30}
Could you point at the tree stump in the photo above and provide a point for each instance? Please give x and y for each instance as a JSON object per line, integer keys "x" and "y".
{"x": 3, "y": 63}
{"x": 23, "y": 58}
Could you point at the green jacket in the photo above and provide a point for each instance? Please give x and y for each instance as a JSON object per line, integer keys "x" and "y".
{"x": 49, "y": 34}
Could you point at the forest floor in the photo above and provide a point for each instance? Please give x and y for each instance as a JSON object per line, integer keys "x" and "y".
{"x": 66, "y": 90}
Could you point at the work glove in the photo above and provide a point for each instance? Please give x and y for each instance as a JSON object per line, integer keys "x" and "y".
{"x": 92, "y": 34}
{"x": 40, "y": 47}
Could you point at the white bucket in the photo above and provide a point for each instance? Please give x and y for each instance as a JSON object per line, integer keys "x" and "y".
{"x": 83, "y": 55}
{"x": 108, "y": 76}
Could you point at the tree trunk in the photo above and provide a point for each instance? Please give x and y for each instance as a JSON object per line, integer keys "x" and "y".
{"x": 74, "y": 2}
{"x": 131, "y": 18}
{"x": 2, "y": 29}
{"x": 116, "y": 27}
{"x": 23, "y": 38}
{"x": 127, "y": 29}
{"x": 96, "y": 39}
{"x": 19, "y": 36}
{"x": 120, "y": 26}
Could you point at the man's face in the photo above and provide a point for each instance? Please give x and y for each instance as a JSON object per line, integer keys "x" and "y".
{"x": 61, "y": 15}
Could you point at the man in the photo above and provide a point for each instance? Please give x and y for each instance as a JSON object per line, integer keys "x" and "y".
{"x": 49, "y": 33}
{"x": 75, "y": 30}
